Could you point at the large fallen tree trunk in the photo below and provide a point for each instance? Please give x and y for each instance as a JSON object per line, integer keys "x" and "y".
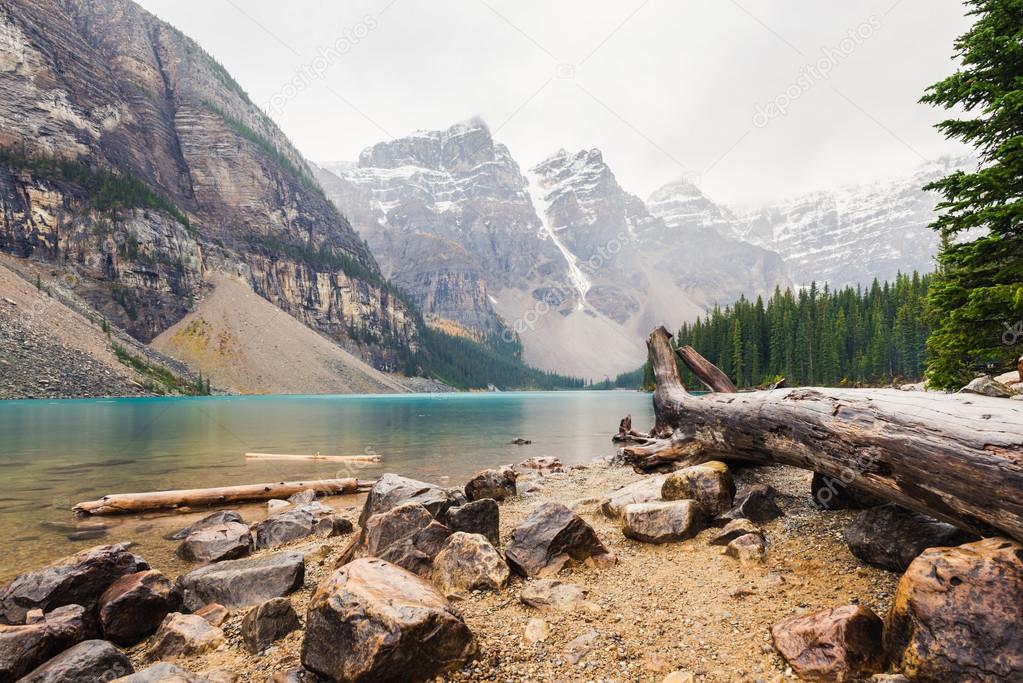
{"x": 955, "y": 457}
{"x": 124, "y": 503}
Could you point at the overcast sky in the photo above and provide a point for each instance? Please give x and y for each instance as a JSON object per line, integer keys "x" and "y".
{"x": 666, "y": 88}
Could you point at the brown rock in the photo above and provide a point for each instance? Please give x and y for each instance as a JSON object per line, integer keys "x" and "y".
{"x": 243, "y": 583}
{"x": 557, "y": 595}
{"x": 76, "y": 580}
{"x": 218, "y": 518}
{"x": 478, "y": 517}
{"x": 135, "y": 605}
{"x": 216, "y": 543}
{"x": 733, "y": 530}
{"x": 469, "y": 562}
{"x": 549, "y": 539}
{"x": 543, "y": 463}
{"x": 755, "y": 504}
{"x": 986, "y": 386}
{"x": 23, "y": 648}
{"x": 749, "y": 549}
{"x": 498, "y": 484}
{"x": 390, "y": 491}
{"x": 709, "y": 484}
{"x": 214, "y": 613}
{"x": 330, "y": 526}
{"x": 284, "y": 527}
{"x": 663, "y": 522}
{"x": 87, "y": 662}
{"x": 374, "y": 621}
{"x": 841, "y": 644}
{"x": 956, "y": 614}
{"x": 890, "y": 537}
{"x": 265, "y": 623}
{"x": 184, "y": 635}
{"x": 406, "y": 535}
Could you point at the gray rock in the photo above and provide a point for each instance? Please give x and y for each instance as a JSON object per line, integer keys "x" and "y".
{"x": 303, "y": 497}
{"x": 265, "y": 623}
{"x": 986, "y": 386}
{"x": 243, "y": 583}
{"x": 284, "y": 527}
{"x": 891, "y": 537}
{"x": 330, "y": 526}
{"x": 551, "y": 538}
{"x": 76, "y": 580}
{"x": 373, "y": 621}
{"x": 498, "y": 484}
{"x": 213, "y": 519}
{"x": 749, "y": 549}
{"x": 662, "y": 522}
{"x": 228, "y": 541}
{"x": 87, "y": 662}
{"x": 478, "y": 517}
{"x": 23, "y": 648}
{"x": 391, "y": 490}
{"x": 163, "y": 672}
{"x": 757, "y": 504}
{"x": 135, "y": 605}
{"x": 643, "y": 491}
{"x": 184, "y": 635}
{"x": 468, "y": 562}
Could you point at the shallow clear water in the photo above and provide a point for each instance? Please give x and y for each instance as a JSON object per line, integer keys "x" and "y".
{"x": 54, "y": 454}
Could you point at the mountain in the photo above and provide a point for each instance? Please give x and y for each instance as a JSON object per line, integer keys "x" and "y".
{"x": 557, "y": 256}
{"x": 854, "y": 234}
{"x": 134, "y": 160}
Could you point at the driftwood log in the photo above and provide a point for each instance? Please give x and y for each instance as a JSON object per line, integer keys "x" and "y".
{"x": 705, "y": 371}
{"x": 955, "y": 457}
{"x": 126, "y": 503}
{"x": 317, "y": 456}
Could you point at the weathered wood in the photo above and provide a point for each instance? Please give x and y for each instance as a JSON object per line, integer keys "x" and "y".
{"x": 1019, "y": 367}
{"x": 125, "y": 503}
{"x": 708, "y": 373}
{"x": 626, "y": 434}
{"x": 327, "y": 458}
{"x": 955, "y": 457}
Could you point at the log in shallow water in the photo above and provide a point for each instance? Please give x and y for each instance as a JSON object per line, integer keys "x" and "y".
{"x": 125, "y": 503}
{"x": 955, "y": 457}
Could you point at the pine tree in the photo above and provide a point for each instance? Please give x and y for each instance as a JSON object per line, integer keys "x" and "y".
{"x": 977, "y": 297}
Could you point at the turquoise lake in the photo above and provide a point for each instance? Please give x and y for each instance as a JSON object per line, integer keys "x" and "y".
{"x": 54, "y": 454}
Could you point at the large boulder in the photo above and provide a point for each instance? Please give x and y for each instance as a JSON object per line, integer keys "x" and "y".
{"x": 135, "y": 605}
{"x": 890, "y": 537}
{"x": 709, "y": 484}
{"x": 469, "y": 562}
{"x": 23, "y": 648}
{"x": 478, "y": 517}
{"x": 284, "y": 527}
{"x": 841, "y": 644}
{"x": 265, "y": 623}
{"x": 213, "y": 519}
{"x": 664, "y": 522}
{"x": 986, "y": 386}
{"x": 243, "y": 583}
{"x": 407, "y": 536}
{"x": 88, "y": 662}
{"x": 643, "y": 491}
{"x": 956, "y": 614}
{"x": 391, "y": 490}
{"x": 498, "y": 484}
{"x": 829, "y": 493}
{"x": 550, "y": 538}
{"x": 184, "y": 635}
{"x": 374, "y": 621}
{"x": 76, "y": 580}
{"x": 757, "y": 504}
{"x": 228, "y": 541}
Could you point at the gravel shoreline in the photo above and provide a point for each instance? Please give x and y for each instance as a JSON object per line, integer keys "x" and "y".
{"x": 662, "y": 608}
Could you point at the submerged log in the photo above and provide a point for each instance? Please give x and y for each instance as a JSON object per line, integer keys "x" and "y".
{"x": 125, "y": 503}
{"x": 326, "y": 458}
{"x": 955, "y": 457}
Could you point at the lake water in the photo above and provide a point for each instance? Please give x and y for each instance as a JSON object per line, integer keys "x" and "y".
{"x": 54, "y": 454}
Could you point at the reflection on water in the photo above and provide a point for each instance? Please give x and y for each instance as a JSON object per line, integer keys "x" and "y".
{"x": 54, "y": 454}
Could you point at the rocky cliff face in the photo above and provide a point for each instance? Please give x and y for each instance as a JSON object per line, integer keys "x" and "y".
{"x": 123, "y": 95}
{"x": 852, "y": 235}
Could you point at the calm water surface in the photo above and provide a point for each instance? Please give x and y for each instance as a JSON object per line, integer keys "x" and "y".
{"x": 54, "y": 454}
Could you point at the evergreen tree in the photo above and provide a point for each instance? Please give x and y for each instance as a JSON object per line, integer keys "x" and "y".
{"x": 976, "y": 300}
